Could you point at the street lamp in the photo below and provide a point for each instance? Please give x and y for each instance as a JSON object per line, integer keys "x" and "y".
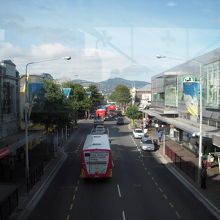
{"x": 27, "y": 107}
{"x": 200, "y": 109}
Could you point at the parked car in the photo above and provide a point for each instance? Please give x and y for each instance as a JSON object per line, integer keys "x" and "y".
{"x": 120, "y": 121}
{"x": 147, "y": 144}
{"x": 138, "y": 133}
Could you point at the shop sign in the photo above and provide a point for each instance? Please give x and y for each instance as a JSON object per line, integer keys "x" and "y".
{"x": 189, "y": 78}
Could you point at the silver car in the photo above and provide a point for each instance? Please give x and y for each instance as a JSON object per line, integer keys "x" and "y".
{"x": 147, "y": 144}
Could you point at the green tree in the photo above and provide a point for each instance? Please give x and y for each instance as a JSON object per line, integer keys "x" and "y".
{"x": 78, "y": 100}
{"x": 133, "y": 113}
{"x": 96, "y": 97}
{"x": 50, "y": 107}
{"x": 121, "y": 95}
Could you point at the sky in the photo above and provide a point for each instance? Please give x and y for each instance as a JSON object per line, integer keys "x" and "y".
{"x": 106, "y": 38}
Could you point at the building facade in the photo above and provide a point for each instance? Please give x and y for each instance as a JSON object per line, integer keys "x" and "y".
{"x": 176, "y": 98}
{"x": 9, "y": 96}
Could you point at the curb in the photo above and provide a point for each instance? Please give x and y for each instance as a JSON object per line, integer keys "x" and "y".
{"x": 40, "y": 192}
{"x": 206, "y": 202}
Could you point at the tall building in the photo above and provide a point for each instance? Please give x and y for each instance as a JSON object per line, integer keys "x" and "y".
{"x": 9, "y": 96}
{"x": 175, "y": 100}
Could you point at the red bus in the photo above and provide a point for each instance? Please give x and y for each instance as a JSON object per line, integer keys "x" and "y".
{"x": 101, "y": 113}
{"x": 96, "y": 160}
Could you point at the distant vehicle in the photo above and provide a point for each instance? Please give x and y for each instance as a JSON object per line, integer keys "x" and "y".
{"x": 98, "y": 121}
{"x": 138, "y": 133}
{"x": 147, "y": 144}
{"x": 100, "y": 128}
{"x": 101, "y": 113}
{"x": 96, "y": 161}
{"x": 120, "y": 121}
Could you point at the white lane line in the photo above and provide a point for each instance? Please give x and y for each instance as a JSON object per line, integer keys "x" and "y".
{"x": 112, "y": 164}
{"x": 119, "y": 192}
{"x": 133, "y": 140}
{"x": 123, "y": 215}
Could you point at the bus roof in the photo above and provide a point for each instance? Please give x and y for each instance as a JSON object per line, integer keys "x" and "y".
{"x": 94, "y": 142}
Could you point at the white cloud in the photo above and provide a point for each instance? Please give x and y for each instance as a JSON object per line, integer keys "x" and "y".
{"x": 171, "y": 4}
{"x": 50, "y": 51}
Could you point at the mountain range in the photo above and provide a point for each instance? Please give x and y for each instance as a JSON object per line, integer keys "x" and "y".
{"x": 108, "y": 86}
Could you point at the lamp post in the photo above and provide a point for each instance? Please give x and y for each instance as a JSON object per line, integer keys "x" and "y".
{"x": 27, "y": 106}
{"x": 200, "y": 110}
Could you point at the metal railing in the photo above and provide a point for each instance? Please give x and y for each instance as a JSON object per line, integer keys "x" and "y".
{"x": 35, "y": 176}
{"x": 186, "y": 166}
{"x": 9, "y": 205}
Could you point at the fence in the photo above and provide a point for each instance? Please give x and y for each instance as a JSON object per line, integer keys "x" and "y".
{"x": 8, "y": 205}
{"x": 187, "y": 167}
{"x": 35, "y": 176}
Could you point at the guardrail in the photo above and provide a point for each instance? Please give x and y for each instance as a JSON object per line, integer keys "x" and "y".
{"x": 35, "y": 176}
{"x": 186, "y": 166}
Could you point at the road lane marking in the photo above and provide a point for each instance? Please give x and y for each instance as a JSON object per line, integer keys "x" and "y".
{"x": 165, "y": 196}
{"x": 156, "y": 184}
{"x": 68, "y": 217}
{"x": 112, "y": 164}
{"x": 148, "y": 172}
{"x": 160, "y": 189}
{"x": 76, "y": 188}
{"x": 74, "y": 197}
{"x": 171, "y": 205}
{"x": 123, "y": 215}
{"x": 77, "y": 182}
{"x": 178, "y": 215}
{"x": 152, "y": 178}
{"x": 119, "y": 192}
{"x": 71, "y": 206}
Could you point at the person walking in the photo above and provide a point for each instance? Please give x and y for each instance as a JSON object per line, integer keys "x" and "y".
{"x": 11, "y": 168}
{"x": 160, "y": 135}
{"x": 203, "y": 176}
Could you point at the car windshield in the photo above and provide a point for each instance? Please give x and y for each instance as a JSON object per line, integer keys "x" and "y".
{"x": 138, "y": 131}
{"x": 147, "y": 142}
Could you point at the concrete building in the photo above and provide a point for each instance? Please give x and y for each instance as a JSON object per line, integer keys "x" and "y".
{"x": 144, "y": 95}
{"x": 9, "y": 96}
{"x": 172, "y": 103}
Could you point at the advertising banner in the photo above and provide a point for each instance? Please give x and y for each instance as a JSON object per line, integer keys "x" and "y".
{"x": 191, "y": 96}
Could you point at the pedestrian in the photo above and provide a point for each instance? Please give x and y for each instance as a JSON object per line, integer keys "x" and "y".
{"x": 160, "y": 135}
{"x": 11, "y": 168}
{"x": 203, "y": 176}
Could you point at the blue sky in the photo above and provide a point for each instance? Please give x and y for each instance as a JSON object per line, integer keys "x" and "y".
{"x": 106, "y": 38}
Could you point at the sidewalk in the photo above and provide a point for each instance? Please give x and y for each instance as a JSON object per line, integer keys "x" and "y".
{"x": 40, "y": 155}
{"x": 212, "y": 192}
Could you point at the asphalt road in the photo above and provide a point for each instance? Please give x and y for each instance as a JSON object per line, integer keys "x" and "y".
{"x": 141, "y": 186}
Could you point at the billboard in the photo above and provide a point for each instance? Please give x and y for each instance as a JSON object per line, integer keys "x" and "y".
{"x": 191, "y": 97}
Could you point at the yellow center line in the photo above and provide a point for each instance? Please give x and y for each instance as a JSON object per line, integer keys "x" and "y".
{"x": 178, "y": 215}
{"x": 171, "y": 205}
{"x": 68, "y": 217}
{"x": 71, "y": 206}
{"x": 74, "y": 197}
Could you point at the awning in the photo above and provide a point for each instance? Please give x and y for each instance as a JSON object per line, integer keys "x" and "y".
{"x": 4, "y": 152}
{"x": 216, "y": 140}
{"x": 184, "y": 124}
